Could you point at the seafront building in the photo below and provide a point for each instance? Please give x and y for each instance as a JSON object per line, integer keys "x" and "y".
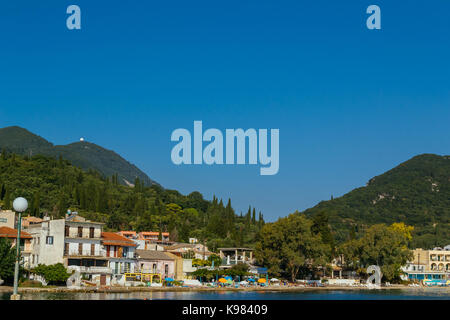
{"x": 74, "y": 242}
{"x": 189, "y": 250}
{"x": 156, "y": 262}
{"x": 120, "y": 253}
{"x": 428, "y": 264}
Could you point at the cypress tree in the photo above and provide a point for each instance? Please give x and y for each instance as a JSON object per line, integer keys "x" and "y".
{"x": 7, "y": 200}
{"x": 2, "y": 191}
{"x": 248, "y": 216}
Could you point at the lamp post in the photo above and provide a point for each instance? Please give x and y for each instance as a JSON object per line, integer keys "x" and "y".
{"x": 20, "y": 205}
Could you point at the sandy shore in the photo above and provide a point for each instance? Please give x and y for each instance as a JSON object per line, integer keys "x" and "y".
{"x": 200, "y": 289}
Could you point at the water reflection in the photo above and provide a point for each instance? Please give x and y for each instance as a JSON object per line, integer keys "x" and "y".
{"x": 425, "y": 294}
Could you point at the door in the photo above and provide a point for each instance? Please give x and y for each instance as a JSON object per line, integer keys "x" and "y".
{"x": 103, "y": 280}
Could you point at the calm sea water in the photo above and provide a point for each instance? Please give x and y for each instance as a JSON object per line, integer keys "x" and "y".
{"x": 423, "y": 294}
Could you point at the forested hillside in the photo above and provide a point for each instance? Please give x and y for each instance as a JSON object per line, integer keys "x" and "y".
{"x": 53, "y": 185}
{"x": 417, "y": 192}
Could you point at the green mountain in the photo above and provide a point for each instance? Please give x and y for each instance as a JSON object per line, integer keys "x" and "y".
{"x": 417, "y": 192}
{"x": 83, "y": 154}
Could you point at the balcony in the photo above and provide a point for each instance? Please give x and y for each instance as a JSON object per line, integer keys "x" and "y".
{"x": 86, "y": 255}
{"x": 122, "y": 270}
{"x": 91, "y": 270}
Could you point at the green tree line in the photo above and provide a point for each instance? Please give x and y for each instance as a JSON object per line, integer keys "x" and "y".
{"x": 53, "y": 186}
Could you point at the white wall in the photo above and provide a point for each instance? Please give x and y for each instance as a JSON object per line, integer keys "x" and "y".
{"x": 47, "y": 253}
{"x": 74, "y": 246}
{"x": 10, "y": 218}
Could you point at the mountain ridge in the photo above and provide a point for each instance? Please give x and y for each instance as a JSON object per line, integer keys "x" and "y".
{"x": 86, "y": 155}
{"x": 416, "y": 192}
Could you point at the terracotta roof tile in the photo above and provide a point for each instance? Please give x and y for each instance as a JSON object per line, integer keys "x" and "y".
{"x": 114, "y": 239}
{"x": 6, "y": 232}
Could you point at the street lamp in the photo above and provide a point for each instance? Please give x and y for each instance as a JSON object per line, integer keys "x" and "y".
{"x": 20, "y": 205}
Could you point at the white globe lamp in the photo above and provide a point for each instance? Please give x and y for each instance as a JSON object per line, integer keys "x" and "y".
{"x": 20, "y": 204}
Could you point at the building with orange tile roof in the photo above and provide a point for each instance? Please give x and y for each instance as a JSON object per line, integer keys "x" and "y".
{"x": 30, "y": 220}
{"x": 25, "y": 242}
{"x": 120, "y": 252}
{"x": 153, "y": 235}
{"x": 128, "y": 234}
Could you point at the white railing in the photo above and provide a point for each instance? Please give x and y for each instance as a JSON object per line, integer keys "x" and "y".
{"x": 92, "y": 269}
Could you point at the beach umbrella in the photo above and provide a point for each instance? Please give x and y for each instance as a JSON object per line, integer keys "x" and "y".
{"x": 274, "y": 280}
{"x": 251, "y": 280}
{"x": 243, "y": 282}
{"x": 228, "y": 278}
{"x": 169, "y": 279}
{"x": 222, "y": 280}
{"x": 262, "y": 280}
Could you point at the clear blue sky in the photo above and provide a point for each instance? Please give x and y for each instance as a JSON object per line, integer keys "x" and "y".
{"x": 350, "y": 103}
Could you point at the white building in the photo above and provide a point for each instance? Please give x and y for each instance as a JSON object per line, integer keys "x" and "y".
{"x": 189, "y": 250}
{"x": 47, "y": 242}
{"x": 73, "y": 241}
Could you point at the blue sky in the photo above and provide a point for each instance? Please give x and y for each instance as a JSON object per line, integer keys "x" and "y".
{"x": 350, "y": 102}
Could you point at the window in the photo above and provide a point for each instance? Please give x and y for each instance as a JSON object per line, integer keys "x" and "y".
{"x": 166, "y": 270}
{"x": 154, "y": 268}
{"x": 67, "y": 231}
{"x": 91, "y": 232}
{"x": 49, "y": 240}
{"x": 92, "y": 249}
{"x": 66, "y": 249}
{"x": 80, "y": 232}
{"x": 125, "y": 252}
{"x": 80, "y": 249}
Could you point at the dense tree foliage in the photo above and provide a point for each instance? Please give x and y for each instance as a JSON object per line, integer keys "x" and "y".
{"x": 381, "y": 245}
{"x": 53, "y": 186}
{"x": 7, "y": 260}
{"x": 294, "y": 247}
{"x": 291, "y": 246}
{"x": 417, "y": 192}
